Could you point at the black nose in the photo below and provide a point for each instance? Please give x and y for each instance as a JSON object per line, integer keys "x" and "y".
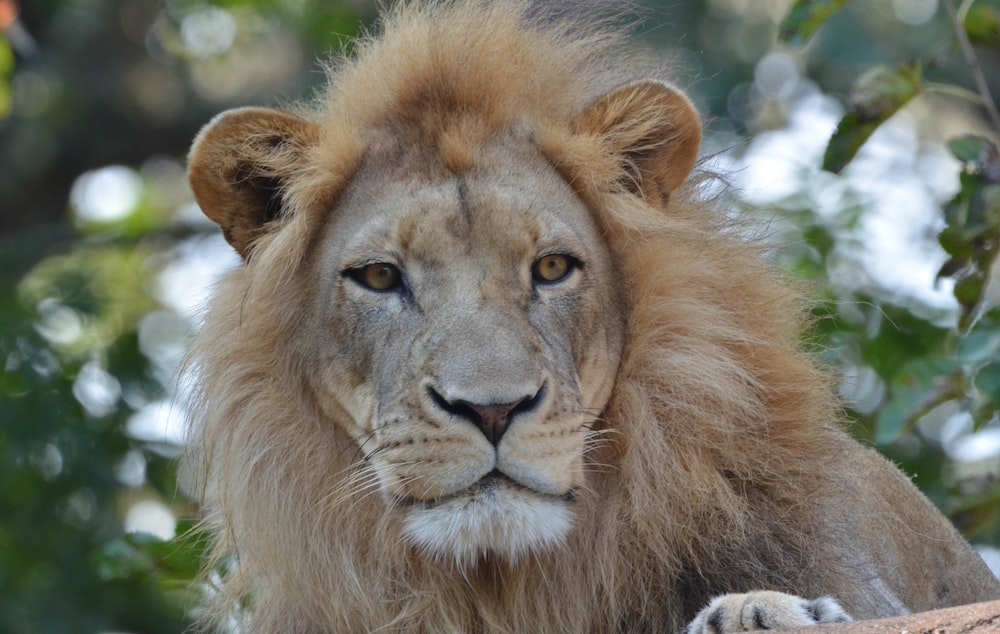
{"x": 492, "y": 419}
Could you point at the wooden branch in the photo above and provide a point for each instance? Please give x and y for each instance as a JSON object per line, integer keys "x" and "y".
{"x": 978, "y": 618}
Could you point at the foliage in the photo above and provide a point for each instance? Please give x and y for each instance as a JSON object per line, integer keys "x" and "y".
{"x": 89, "y": 336}
{"x": 929, "y": 370}
{"x": 61, "y": 457}
{"x": 89, "y": 339}
{"x": 972, "y": 234}
{"x": 877, "y": 95}
{"x": 805, "y": 16}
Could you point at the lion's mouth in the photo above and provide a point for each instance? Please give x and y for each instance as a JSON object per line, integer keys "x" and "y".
{"x": 493, "y": 484}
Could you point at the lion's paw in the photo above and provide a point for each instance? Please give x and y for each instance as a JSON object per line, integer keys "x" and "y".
{"x": 764, "y": 611}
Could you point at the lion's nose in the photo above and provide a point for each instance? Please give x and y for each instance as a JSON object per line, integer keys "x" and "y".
{"x": 492, "y": 419}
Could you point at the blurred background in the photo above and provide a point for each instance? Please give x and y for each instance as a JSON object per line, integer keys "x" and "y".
{"x": 105, "y": 260}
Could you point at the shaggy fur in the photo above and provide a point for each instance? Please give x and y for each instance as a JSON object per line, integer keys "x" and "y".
{"x": 719, "y": 466}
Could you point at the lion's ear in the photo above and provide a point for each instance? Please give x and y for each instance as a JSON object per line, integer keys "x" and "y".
{"x": 239, "y": 167}
{"x": 654, "y": 131}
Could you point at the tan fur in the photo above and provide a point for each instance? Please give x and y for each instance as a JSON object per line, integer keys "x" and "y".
{"x": 708, "y": 458}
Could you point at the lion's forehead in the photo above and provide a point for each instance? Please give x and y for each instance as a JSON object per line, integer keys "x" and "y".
{"x": 482, "y": 223}
{"x": 510, "y": 206}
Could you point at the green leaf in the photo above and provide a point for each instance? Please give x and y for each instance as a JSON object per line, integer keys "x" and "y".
{"x": 978, "y": 346}
{"x": 143, "y": 556}
{"x": 956, "y": 243}
{"x": 988, "y": 381}
{"x": 894, "y": 416}
{"x": 804, "y": 17}
{"x": 982, "y": 412}
{"x": 920, "y": 385}
{"x": 877, "y": 95}
{"x": 972, "y": 234}
{"x": 881, "y": 91}
{"x": 850, "y": 135}
{"x": 969, "y": 148}
{"x": 13, "y": 384}
{"x": 968, "y": 291}
{"x": 954, "y": 266}
{"x": 976, "y": 512}
{"x": 6, "y": 59}
{"x": 969, "y": 288}
{"x": 982, "y": 25}
{"x": 124, "y": 558}
{"x": 182, "y": 557}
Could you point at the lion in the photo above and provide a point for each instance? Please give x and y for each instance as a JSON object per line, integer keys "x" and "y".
{"x": 495, "y": 362}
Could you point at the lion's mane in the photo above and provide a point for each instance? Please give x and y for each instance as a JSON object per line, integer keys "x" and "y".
{"x": 715, "y": 414}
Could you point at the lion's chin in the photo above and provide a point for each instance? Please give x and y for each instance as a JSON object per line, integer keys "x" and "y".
{"x": 499, "y": 519}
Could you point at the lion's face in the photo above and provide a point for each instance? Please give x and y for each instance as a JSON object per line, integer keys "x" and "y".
{"x": 477, "y": 315}
{"x": 451, "y": 307}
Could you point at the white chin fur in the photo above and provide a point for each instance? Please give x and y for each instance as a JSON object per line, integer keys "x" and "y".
{"x": 508, "y": 523}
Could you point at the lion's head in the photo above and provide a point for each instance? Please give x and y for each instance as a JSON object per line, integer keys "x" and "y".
{"x": 467, "y": 323}
{"x": 480, "y": 329}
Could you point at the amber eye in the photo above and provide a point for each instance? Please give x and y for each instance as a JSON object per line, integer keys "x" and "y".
{"x": 379, "y": 276}
{"x": 552, "y": 268}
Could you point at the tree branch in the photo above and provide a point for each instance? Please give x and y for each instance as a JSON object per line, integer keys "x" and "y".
{"x": 958, "y": 21}
{"x": 979, "y": 618}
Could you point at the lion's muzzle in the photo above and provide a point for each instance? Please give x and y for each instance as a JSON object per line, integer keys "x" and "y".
{"x": 492, "y": 419}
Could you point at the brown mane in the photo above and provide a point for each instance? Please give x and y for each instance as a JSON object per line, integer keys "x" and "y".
{"x": 716, "y": 425}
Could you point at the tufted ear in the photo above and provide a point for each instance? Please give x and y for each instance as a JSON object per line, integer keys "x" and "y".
{"x": 653, "y": 130}
{"x": 240, "y": 164}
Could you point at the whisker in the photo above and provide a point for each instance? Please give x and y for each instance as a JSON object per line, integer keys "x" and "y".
{"x": 356, "y": 480}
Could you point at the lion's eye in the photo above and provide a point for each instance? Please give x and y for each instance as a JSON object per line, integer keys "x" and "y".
{"x": 553, "y": 268}
{"x": 379, "y": 276}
